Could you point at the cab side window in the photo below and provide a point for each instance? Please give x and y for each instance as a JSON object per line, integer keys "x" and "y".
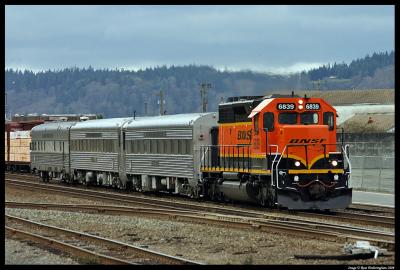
{"x": 269, "y": 121}
{"x": 328, "y": 120}
{"x": 256, "y": 124}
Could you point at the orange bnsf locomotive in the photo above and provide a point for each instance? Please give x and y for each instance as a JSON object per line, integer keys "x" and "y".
{"x": 278, "y": 151}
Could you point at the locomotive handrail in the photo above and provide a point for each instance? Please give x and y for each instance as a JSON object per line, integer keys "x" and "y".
{"x": 277, "y": 148}
{"x": 204, "y": 153}
{"x": 348, "y": 160}
{"x": 277, "y": 182}
{"x": 273, "y": 162}
{"x": 206, "y": 160}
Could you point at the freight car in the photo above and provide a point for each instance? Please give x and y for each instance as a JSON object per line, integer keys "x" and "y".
{"x": 17, "y": 141}
{"x": 277, "y": 151}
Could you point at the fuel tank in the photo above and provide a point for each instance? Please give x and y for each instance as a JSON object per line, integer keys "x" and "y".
{"x": 236, "y": 191}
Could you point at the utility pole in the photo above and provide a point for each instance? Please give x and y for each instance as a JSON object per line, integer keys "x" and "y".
{"x": 203, "y": 95}
{"x": 5, "y": 107}
{"x": 161, "y": 102}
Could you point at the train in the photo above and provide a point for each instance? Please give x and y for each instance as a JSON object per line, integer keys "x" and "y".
{"x": 17, "y": 137}
{"x": 277, "y": 151}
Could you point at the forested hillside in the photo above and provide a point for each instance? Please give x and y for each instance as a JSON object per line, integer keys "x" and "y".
{"x": 120, "y": 92}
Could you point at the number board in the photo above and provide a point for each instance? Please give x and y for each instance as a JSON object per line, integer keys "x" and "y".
{"x": 286, "y": 106}
{"x": 312, "y": 106}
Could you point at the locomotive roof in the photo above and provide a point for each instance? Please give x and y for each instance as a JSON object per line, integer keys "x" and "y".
{"x": 50, "y": 126}
{"x": 267, "y": 101}
{"x": 101, "y": 123}
{"x": 166, "y": 120}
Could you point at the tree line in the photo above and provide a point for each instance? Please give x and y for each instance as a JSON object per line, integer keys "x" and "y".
{"x": 360, "y": 67}
{"x": 118, "y": 92}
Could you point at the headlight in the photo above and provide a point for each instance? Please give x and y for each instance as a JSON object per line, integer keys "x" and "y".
{"x": 296, "y": 178}
{"x": 334, "y": 163}
{"x": 297, "y": 163}
{"x": 336, "y": 177}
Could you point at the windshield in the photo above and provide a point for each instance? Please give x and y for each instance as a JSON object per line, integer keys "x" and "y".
{"x": 287, "y": 118}
{"x": 309, "y": 118}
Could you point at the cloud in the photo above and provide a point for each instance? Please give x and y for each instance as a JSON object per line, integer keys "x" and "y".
{"x": 274, "y": 37}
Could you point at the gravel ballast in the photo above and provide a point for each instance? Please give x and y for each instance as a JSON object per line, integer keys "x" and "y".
{"x": 204, "y": 243}
{"x": 21, "y": 252}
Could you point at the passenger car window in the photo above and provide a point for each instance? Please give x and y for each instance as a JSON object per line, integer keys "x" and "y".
{"x": 287, "y": 118}
{"x": 189, "y": 147}
{"x": 328, "y": 120}
{"x": 309, "y": 118}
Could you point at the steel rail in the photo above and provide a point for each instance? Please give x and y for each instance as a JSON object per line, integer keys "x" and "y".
{"x": 354, "y": 218}
{"x": 372, "y": 208}
{"x": 298, "y": 228}
{"x": 353, "y": 206}
{"x": 142, "y": 252}
{"x": 381, "y": 221}
{"x": 64, "y": 247}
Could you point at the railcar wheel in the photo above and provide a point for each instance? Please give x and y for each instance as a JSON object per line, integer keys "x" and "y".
{"x": 120, "y": 185}
{"x": 114, "y": 182}
{"x": 263, "y": 202}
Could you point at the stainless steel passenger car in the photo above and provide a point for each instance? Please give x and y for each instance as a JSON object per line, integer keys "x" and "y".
{"x": 96, "y": 152}
{"x": 162, "y": 153}
{"x": 50, "y": 149}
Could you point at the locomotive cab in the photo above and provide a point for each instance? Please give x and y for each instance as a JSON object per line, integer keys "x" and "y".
{"x": 297, "y": 137}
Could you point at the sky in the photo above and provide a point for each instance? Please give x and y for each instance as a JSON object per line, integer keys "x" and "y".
{"x": 275, "y": 39}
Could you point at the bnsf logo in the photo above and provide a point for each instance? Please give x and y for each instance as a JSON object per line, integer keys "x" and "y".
{"x": 306, "y": 140}
{"x": 244, "y": 135}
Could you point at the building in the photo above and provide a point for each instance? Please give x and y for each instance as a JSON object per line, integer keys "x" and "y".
{"x": 355, "y": 106}
{"x": 54, "y": 117}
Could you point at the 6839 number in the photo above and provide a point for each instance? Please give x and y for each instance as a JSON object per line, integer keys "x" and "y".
{"x": 312, "y": 106}
{"x": 286, "y": 106}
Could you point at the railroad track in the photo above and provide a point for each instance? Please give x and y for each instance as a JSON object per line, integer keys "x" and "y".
{"x": 371, "y": 208}
{"x": 82, "y": 245}
{"x": 298, "y": 228}
{"x": 336, "y": 216}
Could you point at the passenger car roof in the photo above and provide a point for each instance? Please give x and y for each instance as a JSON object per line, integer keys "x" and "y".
{"x": 176, "y": 120}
